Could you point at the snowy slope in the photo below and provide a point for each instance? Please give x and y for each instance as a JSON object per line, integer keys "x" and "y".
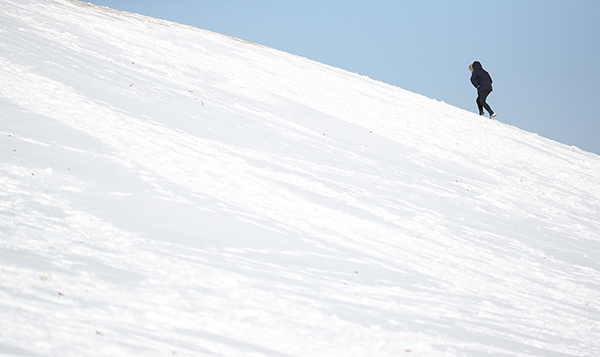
{"x": 165, "y": 190}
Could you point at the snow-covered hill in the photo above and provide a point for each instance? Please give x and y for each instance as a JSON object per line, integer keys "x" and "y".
{"x": 165, "y": 190}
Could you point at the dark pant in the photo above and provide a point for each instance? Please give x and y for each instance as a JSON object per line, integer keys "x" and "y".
{"x": 481, "y": 102}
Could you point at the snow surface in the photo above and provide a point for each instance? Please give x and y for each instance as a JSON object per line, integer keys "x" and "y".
{"x": 166, "y": 190}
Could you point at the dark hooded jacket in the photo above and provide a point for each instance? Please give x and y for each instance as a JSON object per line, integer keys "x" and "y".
{"x": 480, "y": 78}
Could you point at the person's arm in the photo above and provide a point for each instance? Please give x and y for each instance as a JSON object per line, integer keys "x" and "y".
{"x": 474, "y": 81}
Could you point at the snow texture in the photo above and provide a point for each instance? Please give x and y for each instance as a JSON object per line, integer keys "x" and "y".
{"x": 166, "y": 190}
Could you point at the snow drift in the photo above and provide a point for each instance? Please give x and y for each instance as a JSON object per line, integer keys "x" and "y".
{"x": 166, "y": 190}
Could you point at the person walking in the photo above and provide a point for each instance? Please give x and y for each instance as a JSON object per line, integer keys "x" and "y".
{"x": 482, "y": 80}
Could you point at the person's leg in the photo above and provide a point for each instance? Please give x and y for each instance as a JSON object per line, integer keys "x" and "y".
{"x": 479, "y": 106}
{"x": 481, "y": 102}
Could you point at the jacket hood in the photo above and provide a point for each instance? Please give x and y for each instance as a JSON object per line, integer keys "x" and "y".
{"x": 477, "y": 65}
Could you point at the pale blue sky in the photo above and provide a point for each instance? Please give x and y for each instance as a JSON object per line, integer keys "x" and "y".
{"x": 543, "y": 55}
